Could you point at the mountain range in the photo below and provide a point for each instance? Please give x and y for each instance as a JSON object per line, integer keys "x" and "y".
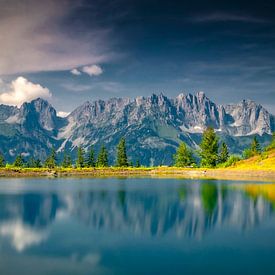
{"x": 153, "y": 126}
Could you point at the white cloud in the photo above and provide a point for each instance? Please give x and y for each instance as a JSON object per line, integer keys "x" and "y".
{"x": 21, "y": 90}
{"x": 62, "y": 114}
{"x": 75, "y": 72}
{"x": 92, "y": 70}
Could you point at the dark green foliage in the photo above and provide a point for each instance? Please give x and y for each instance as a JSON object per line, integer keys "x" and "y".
{"x": 209, "y": 148}
{"x": 255, "y": 146}
{"x": 231, "y": 161}
{"x": 247, "y": 153}
{"x": 138, "y": 164}
{"x": 183, "y": 156}
{"x": 224, "y": 154}
{"x": 272, "y": 143}
{"x": 255, "y": 149}
{"x": 2, "y": 161}
{"x": 90, "y": 161}
{"x": 19, "y": 161}
{"x": 34, "y": 163}
{"x": 80, "y": 162}
{"x": 67, "y": 161}
{"x": 122, "y": 160}
{"x": 50, "y": 162}
{"x": 102, "y": 160}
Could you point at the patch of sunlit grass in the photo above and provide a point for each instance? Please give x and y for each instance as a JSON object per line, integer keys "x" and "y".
{"x": 265, "y": 161}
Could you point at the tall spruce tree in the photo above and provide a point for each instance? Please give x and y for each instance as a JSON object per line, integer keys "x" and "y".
{"x": 90, "y": 161}
{"x": 183, "y": 156}
{"x": 19, "y": 161}
{"x": 209, "y": 148}
{"x": 80, "y": 162}
{"x": 138, "y": 163}
{"x": 2, "y": 160}
{"x": 122, "y": 160}
{"x": 37, "y": 163}
{"x": 272, "y": 143}
{"x": 50, "y": 162}
{"x": 255, "y": 146}
{"x": 102, "y": 160}
{"x": 224, "y": 154}
{"x": 34, "y": 163}
{"x": 67, "y": 161}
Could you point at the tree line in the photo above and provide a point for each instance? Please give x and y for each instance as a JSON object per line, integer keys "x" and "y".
{"x": 211, "y": 152}
{"x": 83, "y": 159}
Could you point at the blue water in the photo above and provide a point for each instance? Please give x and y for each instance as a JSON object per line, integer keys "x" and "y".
{"x": 135, "y": 226}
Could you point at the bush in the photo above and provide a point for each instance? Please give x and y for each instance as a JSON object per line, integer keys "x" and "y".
{"x": 247, "y": 153}
{"x": 231, "y": 161}
{"x": 272, "y": 143}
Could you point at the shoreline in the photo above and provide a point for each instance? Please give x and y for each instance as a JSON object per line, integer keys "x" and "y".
{"x": 165, "y": 172}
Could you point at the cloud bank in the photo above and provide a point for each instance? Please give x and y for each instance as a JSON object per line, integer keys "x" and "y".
{"x": 21, "y": 90}
{"x": 39, "y": 36}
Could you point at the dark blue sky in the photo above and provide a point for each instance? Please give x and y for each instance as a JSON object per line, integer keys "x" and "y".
{"x": 224, "y": 48}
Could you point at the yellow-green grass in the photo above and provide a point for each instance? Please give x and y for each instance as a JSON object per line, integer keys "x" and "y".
{"x": 263, "y": 162}
{"x": 259, "y": 167}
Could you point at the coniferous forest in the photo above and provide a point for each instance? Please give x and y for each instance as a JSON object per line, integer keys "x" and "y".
{"x": 211, "y": 153}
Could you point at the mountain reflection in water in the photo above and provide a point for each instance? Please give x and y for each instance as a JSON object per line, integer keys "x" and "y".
{"x": 182, "y": 209}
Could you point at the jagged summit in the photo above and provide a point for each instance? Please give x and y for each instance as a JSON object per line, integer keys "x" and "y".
{"x": 153, "y": 125}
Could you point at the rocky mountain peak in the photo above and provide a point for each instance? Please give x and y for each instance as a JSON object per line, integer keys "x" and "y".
{"x": 201, "y": 96}
{"x": 38, "y": 113}
{"x": 153, "y": 125}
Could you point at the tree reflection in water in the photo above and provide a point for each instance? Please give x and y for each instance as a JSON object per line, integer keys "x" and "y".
{"x": 184, "y": 209}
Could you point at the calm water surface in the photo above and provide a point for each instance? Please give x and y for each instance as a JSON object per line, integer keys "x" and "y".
{"x": 136, "y": 226}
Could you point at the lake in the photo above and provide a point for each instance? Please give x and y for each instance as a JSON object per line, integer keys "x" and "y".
{"x": 136, "y": 226}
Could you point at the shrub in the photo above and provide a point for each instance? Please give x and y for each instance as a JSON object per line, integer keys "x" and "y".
{"x": 231, "y": 161}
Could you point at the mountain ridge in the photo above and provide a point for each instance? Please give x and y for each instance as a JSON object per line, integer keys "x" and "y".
{"x": 153, "y": 126}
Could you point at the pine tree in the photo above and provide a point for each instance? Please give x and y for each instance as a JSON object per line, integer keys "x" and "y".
{"x": 19, "y": 161}
{"x": 90, "y": 162}
{"x": 50, "y": 162}
{"x": 137, "y": 163}
{"x": 34, "y": 163}
{"x": 37, "y": 163}
{"x": 2, "y": 160}
{"x": 121, "y": 154}
{"x": 224, "y": 154}
{"x": 272, "y": 143}
{"x": 80, "y": 162}
{"x": 102, "y": 160}
{"x": 209, "y": 148}
{"x": 183, "y": 156}
{"x": 255, "y": 146}
{"x": 67, "y": 162}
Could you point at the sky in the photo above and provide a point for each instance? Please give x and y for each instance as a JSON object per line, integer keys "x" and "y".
{"x": 69, "y": 52}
